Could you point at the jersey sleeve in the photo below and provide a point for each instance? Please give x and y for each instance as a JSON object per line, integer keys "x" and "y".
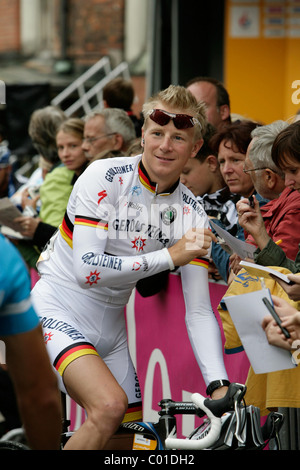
{"x": 96, "y": 203}
{"x": 202, "y": 326}
{"x": 17, "y": 314}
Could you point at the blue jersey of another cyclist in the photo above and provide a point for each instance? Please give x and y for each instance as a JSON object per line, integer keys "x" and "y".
{"x": 26, "y": 357}
{"x": 17, "y": 314}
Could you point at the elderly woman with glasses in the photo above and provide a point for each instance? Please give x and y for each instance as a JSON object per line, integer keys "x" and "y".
{"x": 127, "y": 218}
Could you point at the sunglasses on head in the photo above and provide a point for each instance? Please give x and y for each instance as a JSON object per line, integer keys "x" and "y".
{"x": 181, "y": 121}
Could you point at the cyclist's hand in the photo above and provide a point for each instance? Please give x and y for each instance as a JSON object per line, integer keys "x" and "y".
{"x": 219, "y": 393}
{"x": 195, "y": 243}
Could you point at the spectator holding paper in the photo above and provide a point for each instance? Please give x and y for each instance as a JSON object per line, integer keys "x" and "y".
{"x": 279, "y": 219}
{"x": 286, "y": 157}
{"x": 290, "y": 319}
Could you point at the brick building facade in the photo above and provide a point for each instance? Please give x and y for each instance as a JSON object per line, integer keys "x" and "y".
{"x": 95, "y": 29}
{"x": 82, "y": 31}
{"x": 9, "y": 27}
{"x": 46, "y": 44}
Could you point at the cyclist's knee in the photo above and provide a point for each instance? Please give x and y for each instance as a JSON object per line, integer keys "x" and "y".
{"x": 109, "y": 412}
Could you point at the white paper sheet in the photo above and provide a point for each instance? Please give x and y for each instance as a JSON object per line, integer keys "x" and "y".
{"x": 241, "y": 248}
{"x": 264, "y": 271}
{"x": 9, "y": 212}
{"x": 247, "y": 312}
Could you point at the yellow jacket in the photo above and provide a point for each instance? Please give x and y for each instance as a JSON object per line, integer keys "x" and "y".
{"x": 274, "y": 389}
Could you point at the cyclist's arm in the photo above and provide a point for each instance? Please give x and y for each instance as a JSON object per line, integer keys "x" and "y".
{"x": 89, "y": 256}
{"x": 28, "y": 362}
{"x": 202, "y": 326}
{"x": 92, "y": 229}
{"x": 36, "y": 389}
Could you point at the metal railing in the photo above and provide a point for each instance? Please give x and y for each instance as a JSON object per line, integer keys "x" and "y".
{"x": 85, "y": 96}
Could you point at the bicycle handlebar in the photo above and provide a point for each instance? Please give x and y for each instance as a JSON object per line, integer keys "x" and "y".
{"x": 213, "y": 410}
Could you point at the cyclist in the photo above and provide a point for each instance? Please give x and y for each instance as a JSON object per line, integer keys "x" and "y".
{"x": 27, "y": 360}
{"x": 127, "y": 218}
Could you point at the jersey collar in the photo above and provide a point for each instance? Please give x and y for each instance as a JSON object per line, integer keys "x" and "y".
{"x": 151, "y": 185}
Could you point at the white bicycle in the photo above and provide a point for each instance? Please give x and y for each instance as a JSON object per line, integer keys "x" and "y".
{"x": 228, "y": 425}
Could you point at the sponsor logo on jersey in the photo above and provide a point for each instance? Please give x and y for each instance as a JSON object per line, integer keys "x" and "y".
{"x": 168, "y": 215}
{"x": 136, "y": 226}
{"x": 59, "y": 325}
{"x": 186, "y": 210}
{"x": 117, "y": 170}
{"x": 193, "y": 203}
{"x": 47, "y": 337}
{"x": 106, "y": 261}
{"x": 136, "y": 190}
{"x": 93, "y": 278}
{"x": 142, "y": 263}
{"x": 102, "y": 195}
{"x": 138, "y": 243}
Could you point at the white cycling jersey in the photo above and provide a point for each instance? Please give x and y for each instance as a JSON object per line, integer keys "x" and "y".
{"x": 116, "y": 230}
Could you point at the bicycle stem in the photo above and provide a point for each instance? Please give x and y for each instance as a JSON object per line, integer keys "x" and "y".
{"x": 171, "y": 408}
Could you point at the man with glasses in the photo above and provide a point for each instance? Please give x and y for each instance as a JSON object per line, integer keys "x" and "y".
{"x": 108, "y": 129}
{"x": 279, "y": 218}
{"x": 127, "y": 218}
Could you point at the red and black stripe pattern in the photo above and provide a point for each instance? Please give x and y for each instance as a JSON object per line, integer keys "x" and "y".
{"x": 66, "y": 228}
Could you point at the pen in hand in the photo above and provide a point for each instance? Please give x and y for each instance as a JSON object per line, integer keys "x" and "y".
{"x": 251, "y": 201}
{"x": 276, "y": 317}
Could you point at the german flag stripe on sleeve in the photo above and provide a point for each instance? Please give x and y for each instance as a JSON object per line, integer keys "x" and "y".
{"x": 66, "y": 230}
{"x": 67, "y": 226}
{"x": 102, "y": 224}
{"x": 71, "y": 353}
{"x": 87, "y": 221}
{"x": 200, "y": 262}
{"x": 133, "y": 413}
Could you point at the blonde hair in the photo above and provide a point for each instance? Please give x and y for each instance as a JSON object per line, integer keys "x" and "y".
{"x": 72, "y": 126}
{"x": 180, "y": 98}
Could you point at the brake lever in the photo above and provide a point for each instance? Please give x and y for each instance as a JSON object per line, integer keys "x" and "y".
{"x": 239, "y": 425}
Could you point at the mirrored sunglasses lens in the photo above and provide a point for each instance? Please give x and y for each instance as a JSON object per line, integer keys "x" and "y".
{"x": 159, "y": 117}
{"x": 182, "y": 121}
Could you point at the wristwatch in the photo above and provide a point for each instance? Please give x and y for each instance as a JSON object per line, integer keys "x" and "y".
{"x": 215, "y": 384}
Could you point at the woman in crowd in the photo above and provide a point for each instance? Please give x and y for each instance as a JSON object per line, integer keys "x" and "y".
{"x": 73, "y": 160}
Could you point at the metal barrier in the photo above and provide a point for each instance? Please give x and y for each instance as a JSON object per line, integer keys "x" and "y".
{"x": 78, "y": 86}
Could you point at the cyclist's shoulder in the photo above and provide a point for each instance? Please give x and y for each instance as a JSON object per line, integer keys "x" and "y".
{"x": 121, "y": 164}
{"x": 13, "y": 271}
{"x": 110, "y": 174}
{"x": 10, "y": 257}
{"x": 190, "y": 202}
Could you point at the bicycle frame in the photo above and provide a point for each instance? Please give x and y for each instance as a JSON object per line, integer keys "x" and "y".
{"x": 164, "y": 428}
{"x": 230, "y": 423}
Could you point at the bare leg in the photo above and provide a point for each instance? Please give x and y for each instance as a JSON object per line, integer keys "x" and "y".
{"x": 90, "y": 383}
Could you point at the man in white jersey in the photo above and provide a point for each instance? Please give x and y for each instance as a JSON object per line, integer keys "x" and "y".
{"x": 127, "y": 218}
